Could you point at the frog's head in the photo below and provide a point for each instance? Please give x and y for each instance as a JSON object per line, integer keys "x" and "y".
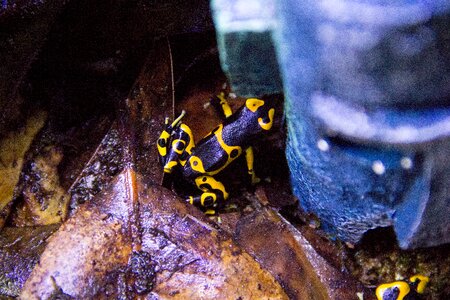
{"x": 262, "y": 111}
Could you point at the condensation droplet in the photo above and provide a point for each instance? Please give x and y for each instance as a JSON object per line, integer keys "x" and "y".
{"x": 378, "y": 167}
{"x": 406, "y": 163}
{"x": 323, "y": 145}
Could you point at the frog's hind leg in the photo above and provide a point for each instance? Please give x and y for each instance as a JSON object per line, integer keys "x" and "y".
{"x": 213, "y": 193}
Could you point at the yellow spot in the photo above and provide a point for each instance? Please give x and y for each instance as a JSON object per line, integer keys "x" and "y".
{"x": 253, "y": 104}
{"x": 402, "y": 286}
{"x": 191, "y": 200}
{"x": 226, "y": 109}
{"x": 249, "y": 157}
{"x": 196, "y": 164}
{"x": 268, "y": 125}
{"x": 422, "y": 284}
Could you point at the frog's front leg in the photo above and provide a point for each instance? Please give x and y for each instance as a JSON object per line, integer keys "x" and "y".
{"x": 213, "y": 193}
{"x": 175, "y": 144}
{"x": 220, "y": 103}
{"x": 250, "y": 158}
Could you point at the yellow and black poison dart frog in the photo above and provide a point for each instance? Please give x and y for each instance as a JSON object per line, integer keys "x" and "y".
{"x": 198, "y": 164}
{"x": 403, "y": 290}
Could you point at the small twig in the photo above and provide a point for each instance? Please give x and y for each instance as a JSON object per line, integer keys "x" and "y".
{"x": 172, "y": 77}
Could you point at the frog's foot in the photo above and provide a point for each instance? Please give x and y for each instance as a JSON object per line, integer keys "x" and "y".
{"x": 206, "y": 199}
{"x": 255, "y": 179}
{"x": 220, "y": 103}
{"x": 213, "y": 193}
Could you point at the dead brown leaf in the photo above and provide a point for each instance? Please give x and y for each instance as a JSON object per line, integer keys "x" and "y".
{"x": 91, "y": 253}
{"x": 12, "y": 151}
{"x": 20, "y": 248}
{"x": 292, "y": 260}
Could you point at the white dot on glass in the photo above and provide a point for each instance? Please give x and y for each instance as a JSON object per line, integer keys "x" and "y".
{"x": 406, "y": 163}
{"x": 378, "y": 167}
{"x": 323, "y": 145}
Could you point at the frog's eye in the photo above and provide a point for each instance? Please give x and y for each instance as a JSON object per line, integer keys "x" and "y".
{"x": 162, "y": 142}
{"x": 253, "y": 104}
{"x": 178, "y": 146}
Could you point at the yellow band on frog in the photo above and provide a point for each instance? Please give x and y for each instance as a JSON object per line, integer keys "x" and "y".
{"x": 268, "y": 125}
{"x": 224, "y": 104}
{"x": 422, "y": 284}
{"x": 253, "y": 104}
{"x": 402, "y": 286}
{"x": 188, "y": 131}
{"x": 213, "y": 183}
{"x": 168, "y": 167}
{"x": 233, "y": 152}
{"x": 163, "y": 150}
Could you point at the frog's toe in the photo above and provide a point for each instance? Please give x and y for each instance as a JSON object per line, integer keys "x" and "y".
{"x": 255, "y": 179}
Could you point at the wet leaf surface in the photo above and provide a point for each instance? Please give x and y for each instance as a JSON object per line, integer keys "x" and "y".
{"x": 207, "y": 258}
{"x": 179, "y": 253}
{"x": 105, "y": 163}
{"x": 280, "y": 248}
{"x": 44, "y": 201}
{"x": 91, "y": 245}
{"x": 20, "y": 249}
